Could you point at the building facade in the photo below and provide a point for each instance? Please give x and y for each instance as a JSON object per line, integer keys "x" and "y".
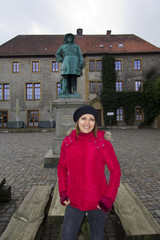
{"x": 30, "y": 76}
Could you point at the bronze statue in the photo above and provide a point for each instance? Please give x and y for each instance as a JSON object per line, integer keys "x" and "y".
{"x": 69, "y": 54}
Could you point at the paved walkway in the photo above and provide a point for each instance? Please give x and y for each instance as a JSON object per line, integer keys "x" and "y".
{"x": 21, "y": 162}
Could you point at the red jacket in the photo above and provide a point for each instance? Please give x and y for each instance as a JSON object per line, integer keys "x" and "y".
{"x": 81, "y": 170}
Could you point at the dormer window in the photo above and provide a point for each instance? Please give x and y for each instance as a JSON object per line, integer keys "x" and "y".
{"x": 120, "y": 45}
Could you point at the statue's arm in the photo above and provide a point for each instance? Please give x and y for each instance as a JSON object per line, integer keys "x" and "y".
{"x": 59, "y": 54}
{"x": 81, "y": 61}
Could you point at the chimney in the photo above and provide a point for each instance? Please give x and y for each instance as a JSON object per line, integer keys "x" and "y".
{"x": 79, "y": 32}
{"x": 108, "y": 32}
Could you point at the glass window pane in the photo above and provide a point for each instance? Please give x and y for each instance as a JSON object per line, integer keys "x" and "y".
{"x": 98, "y": 65}
{"x": 54, "y": 66}
{"x": 137, "y": 64}
{"x": 139, "y": 114}
{"x": 6, "y": 92}
{"x": 92, "y": 65}
{"x": 92, "y": 87}
{"x": 118, "y": 65}
{"x": 99, "y": 87}
{"x": 29, "y": 92}
{"x": 119, "y": 86}
{"x": 15, "y": 67}
{"x": 120, "y": 114}
{"x": 35, "y": 66}
{"x": 36, "y": 91}
{"x": 58, "y": 88}
{"x": 138, "y": 86}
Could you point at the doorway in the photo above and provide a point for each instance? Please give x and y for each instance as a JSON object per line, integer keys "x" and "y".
{"x": 3, "y": 119}
{"x": 33, "y": 118}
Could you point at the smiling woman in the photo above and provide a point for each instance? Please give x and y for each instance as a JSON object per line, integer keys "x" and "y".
{"x": 81, "y": 177}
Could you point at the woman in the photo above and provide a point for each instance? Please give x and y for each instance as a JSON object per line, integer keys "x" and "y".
{"x": 82, "y": 183}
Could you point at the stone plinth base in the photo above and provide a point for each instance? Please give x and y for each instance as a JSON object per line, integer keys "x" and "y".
{"x": 69, "y": 95}
{"x": 64, "y": 122}
{"x": 50, "y": 159}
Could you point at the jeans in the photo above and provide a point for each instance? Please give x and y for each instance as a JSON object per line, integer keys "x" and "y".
{"x": 73, "y": 219}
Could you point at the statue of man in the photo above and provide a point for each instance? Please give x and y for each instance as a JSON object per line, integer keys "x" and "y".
{"x": 71, "y": 57}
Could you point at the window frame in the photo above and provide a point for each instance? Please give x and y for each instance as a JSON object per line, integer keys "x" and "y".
{"x": 99, "y": 69}
{"x": 33, "y": 93}
{"x": 33, "y": 115}
{"x": 101, "y": 83}
{"x": 90, "y": 66}
{"x": 142, "y": 115}
{"x": 136, "y": 87}
{"x": 95, "y": 67}
{"x": 120, "y": 115}
{"x": 3, "y": 116}
{"x": 3, "y": 94}
{"x": 95, "y": 82}
{"x": 57, "y": 83}
{"x": 119, "y": 89}
{"x": 17, "y": 69}
{"x": 137, "y": 68}
{"x": 91, "y": 87}
{"x": 56, "y": 68}
{"x": 121, "y": 65}
{"x": 35, "y": 61}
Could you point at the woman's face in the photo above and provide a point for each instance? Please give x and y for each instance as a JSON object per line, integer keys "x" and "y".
{"x": 86, "y": 123}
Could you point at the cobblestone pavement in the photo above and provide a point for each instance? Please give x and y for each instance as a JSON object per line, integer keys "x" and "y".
{"x": 21, "y": 163}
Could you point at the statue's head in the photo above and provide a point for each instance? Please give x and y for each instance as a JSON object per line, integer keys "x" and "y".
{"x": 69, "y": 38}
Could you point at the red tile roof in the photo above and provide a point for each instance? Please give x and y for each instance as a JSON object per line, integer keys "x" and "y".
{"x": 42, "y": 45}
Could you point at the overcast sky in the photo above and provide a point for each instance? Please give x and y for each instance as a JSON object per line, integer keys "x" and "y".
{"x": 139, "y": 17}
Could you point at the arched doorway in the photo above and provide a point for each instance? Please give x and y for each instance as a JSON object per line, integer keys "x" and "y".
{"x": 97, "y": 105}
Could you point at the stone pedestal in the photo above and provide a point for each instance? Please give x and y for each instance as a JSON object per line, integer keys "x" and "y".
{"x": 64, "y": 108}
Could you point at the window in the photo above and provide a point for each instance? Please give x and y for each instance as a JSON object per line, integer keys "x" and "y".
{"x": 138, "y": 86}
{"x": 98, "y": 65}
{"x": 92, "y": 65}
{"x": 37, "y": 91}
{"x": 35, "y": 66}
{"x": 58, "y": 88}
{"x": 95, "y": 65}
{"x": 139, "y": 114}
{"x": 15, "y": 67}
{"x": 118, "y": 65}
{"x": 33, "y": 118}
{"x": 99, "y": 87}
{"x": 119, "y": 86}
{"x": 119, "y": 114}
{"x": 96, "y": 87}
{"x": 4, "y": 91}
{"x": 92, "y": 87}
{"x": 33, "y": 91}
{"x": 54, "y": 66}
{"x": 137, "y": 64}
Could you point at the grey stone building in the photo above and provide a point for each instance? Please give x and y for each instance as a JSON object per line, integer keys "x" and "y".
{"x": 30, "y": 76}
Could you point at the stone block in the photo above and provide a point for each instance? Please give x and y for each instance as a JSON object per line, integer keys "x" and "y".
{"x": 51, "y": 159}
{"x": 56, "y": 145}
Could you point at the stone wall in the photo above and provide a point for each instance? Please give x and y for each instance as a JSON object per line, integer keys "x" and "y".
{"x": 48, "y": 82}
